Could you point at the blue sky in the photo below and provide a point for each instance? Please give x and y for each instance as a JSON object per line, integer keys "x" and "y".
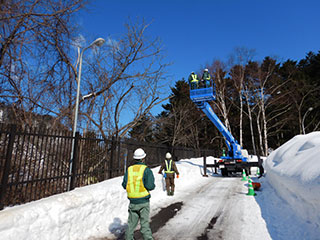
{"x": 197, "y": 32}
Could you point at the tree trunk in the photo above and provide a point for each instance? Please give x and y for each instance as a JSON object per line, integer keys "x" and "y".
{"x": 250, "y": 122}
{"x": 241, "y": 116}
{"x": 264, "y": 120}
{"x": 260, "y": 133}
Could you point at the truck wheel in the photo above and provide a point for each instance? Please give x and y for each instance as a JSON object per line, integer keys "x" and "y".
{"x": 224, "y": 172}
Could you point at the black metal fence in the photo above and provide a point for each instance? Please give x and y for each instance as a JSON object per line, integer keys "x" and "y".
{"x": 36, "y": 163}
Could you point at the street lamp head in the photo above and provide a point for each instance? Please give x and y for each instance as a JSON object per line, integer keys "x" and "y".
{"x": 98, "y": 42}
{"x": 310, "y": 108}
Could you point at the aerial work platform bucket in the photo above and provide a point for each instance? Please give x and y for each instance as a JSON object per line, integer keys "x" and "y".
{"x": 202, "y": 94}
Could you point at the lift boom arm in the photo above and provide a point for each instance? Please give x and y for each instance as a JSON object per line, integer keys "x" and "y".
{"x": 201, "y": 97}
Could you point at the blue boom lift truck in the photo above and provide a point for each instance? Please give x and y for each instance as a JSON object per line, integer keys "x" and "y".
{"x": 236, "y": 158}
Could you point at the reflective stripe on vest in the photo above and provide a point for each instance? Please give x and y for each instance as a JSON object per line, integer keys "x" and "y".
{"x": 168, "y": 167}
{"x": 135, "y": 187}
{"x": 208, "y": 77}
{"x": 194, "y": 78}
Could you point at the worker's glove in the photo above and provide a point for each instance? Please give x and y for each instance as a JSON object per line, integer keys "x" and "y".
{"x": 177, "y": 176}
{"x": 164, "y": 175}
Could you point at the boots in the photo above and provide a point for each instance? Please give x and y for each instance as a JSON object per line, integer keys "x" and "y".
{"x": 170, "y": 193}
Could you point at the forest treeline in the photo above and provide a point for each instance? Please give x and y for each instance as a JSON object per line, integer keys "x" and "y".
{"x": 263, "y": 104}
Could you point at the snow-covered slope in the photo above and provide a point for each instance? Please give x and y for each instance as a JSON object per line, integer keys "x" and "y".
{"x": 293, "y": 170}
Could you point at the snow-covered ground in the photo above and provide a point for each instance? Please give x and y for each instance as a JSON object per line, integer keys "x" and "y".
{"x": 287, "y": 207}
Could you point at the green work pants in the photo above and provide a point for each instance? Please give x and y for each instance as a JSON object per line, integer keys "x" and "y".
{"x": 139, "y": 212}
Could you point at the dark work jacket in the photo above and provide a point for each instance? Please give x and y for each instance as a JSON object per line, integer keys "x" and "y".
{"x": 148, "y": 182}
{"x": 206, "y": 76}
{"x": 173, "y": 167}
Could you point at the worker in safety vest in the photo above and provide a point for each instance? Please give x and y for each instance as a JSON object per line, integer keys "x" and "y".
{"x": 206, "y": 78}
{"x": 193, "y": 81}
{"x": 138, "y": 181}
{"x": 169, "y": 168}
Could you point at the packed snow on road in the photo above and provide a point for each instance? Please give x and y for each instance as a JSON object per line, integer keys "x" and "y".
{"x": 286, "y": 206}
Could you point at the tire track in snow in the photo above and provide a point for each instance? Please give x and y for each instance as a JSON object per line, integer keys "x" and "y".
{"x": 229, "y": 225}
{"x": 200, "y": 206}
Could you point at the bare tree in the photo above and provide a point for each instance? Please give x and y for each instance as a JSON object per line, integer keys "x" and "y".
{"x": 299, "y": 95}
{"x": 272, "y": 105}
{"x": 34, "y": 66}
{"x": 123, "y": 81}
{"x": 266, "y": 93}
{"x": 251, "y": 105}
{"x": 239, "y": 59}
{"x": 218, "y": 68}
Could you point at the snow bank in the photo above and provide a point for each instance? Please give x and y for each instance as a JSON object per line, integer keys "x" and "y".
{"x": 78, "y": 214}
{"x": 294, "y": 172}
{"x": 97, "y": 210}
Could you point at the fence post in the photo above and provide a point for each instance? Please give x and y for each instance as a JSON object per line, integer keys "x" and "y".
{"x": 125, "y": 160}
{"x": 6, "y": 170}
{"x": 74, "y": 162}
{"x": 118, "y": 149}
{"x": 113, "y": 145}
{"x": 204, "y": 164}
{"x": 173, "y": 153}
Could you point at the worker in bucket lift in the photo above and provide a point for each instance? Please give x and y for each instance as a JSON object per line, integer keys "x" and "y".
{"x": 138, "y": 181}
{"x": 170, "y": 169}
{"x": 206, "y": 78}
{"x": 193, "y": 80}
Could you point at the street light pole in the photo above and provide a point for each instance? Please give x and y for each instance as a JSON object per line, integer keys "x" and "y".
{"x": 98, "y": 42}
{"x": 304, "y": 116}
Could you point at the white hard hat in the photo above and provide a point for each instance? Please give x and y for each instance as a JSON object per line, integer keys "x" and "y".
{"x": 206, "y": 70}
{"x": 168, "y": 155}
{"x": 139, "y": 154}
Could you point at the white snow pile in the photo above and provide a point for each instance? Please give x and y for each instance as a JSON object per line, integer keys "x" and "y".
{"x": 294, "y": 172}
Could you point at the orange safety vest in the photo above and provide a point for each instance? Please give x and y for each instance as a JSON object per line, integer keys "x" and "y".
{"x": 135, "y": 187}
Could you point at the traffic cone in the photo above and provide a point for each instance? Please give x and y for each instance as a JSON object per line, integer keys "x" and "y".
{"x": 250, "y": 188}
{"x": 258, "y": 172}
{"x": 244, "y": 177}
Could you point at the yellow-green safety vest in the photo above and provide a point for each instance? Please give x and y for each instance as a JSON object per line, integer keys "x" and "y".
{"x": 135, "y": 187}
{"x": 208, "y": 77}
{"x": 168, "y": 167}
{"x": 194, "y": 78}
